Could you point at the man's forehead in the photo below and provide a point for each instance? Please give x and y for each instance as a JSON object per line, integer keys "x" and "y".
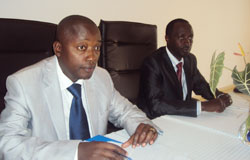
{"x": 81, "y": 29}
{"x": 179, "y": 25}
{"x": 182, "y": 27}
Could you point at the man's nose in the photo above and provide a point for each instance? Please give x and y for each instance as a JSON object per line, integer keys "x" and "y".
{"x": 91, "y": 55}
{"x": 188, "y": 42}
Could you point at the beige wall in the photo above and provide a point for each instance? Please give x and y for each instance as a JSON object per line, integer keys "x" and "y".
{"x": 218, "y": 24}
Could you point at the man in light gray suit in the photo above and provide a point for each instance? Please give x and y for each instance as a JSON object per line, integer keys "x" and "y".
{"x": 35, "y": 122}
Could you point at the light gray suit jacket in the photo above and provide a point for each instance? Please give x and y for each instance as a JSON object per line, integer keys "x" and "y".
{"x": 32, "y": 126}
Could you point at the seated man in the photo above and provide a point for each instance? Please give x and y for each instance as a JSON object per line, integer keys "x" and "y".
{"x": 166, "y": 87}
{"x": 54, "y": 104}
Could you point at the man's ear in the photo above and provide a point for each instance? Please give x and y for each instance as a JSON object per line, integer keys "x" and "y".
{"x": 57, "y": 47}
{"x": 166, "y": 38}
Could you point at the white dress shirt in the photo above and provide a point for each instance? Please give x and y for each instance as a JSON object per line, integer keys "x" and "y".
{"x": 174, "y": 62}
{"x": 67, "y": 98}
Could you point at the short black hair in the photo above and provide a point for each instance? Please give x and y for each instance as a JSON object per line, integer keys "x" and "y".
{"x": 170, "y": 26}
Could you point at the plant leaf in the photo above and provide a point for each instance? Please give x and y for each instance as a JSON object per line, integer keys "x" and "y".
{"x": 216, "y": 68}
{"x": 241, "y": 80}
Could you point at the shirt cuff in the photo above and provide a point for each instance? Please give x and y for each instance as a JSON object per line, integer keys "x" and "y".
{"x": 198, "y": 107}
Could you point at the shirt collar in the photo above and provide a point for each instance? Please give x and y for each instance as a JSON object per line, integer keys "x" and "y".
{"x": 64, "y": 81}
{"x": 174, "y": 60}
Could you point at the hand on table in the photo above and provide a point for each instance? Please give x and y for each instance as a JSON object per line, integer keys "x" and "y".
{"x": 144, "y": 134}
{"x": 217, "y": 105}
{"x": 226, "y": 99}
{"x": 100, "y": 151}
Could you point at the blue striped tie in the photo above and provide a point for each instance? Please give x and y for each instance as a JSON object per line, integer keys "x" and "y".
{"x": 78, "y": 123}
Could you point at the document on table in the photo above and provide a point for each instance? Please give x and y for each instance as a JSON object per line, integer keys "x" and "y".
{"x": 240, "y": 100}
{"x": 227, "y": 122}
{"x": 156, "y": 151}
{"x": 198, "y": 143}
{"x": 184, "y": 141}
{"x": 159, "y": 150}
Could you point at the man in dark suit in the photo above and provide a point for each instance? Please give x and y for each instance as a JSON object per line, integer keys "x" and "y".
{"x": 170, "y": 75}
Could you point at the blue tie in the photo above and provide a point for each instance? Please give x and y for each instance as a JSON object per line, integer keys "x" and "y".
{"x": 78, "y": 123}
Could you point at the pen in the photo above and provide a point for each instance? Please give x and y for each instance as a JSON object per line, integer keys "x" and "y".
{"x": 160, "y": 132}
{"x": 124, "y": 156}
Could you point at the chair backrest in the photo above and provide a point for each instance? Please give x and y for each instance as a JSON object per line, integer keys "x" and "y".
{"x": 124, "y": 47}
{"x": 22, "y": 43}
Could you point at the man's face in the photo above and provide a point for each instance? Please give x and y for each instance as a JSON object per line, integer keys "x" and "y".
{"x": 180, "y": 41}
{"x": 79, "y": 52}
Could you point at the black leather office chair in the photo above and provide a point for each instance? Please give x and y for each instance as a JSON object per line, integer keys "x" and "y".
{"x": 22, "y": 43}
{"x": 124, "y": 47}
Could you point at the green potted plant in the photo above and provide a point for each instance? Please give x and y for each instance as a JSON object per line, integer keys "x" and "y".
{"x": 241, "y": 80}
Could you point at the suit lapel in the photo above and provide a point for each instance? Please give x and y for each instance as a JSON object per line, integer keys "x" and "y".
{"x": 187, "y": 70}
{"x": 170, "y": 72}
{"x": 97, "y": 99}
{"x": 90, "y": 105}
{"x": 53, "y": 97}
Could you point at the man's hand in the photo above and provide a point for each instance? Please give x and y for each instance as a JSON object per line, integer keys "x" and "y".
{"x": 100, "y": 151}
{"x": 217, "y": 105}
{"x": 226, "y": 99}
{"x": 144, "y": 134}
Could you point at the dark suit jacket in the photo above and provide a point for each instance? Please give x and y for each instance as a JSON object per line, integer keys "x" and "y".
{"x": 160, "y": 91}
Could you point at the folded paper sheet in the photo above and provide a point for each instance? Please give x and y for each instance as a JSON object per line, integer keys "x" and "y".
{"x": 186, "y": 141}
